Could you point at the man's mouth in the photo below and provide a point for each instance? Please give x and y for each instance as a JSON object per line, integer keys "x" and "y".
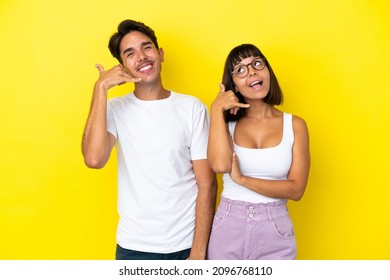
{"x": 145, "y": 67}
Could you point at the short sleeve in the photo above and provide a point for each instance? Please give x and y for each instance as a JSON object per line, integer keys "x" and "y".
{"x": 200, "y": 132}
{"x": 111, "y": 127}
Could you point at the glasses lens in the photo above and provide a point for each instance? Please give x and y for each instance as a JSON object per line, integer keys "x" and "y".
{"x": 241, "y": 71}
{"x": 258, "y": 64}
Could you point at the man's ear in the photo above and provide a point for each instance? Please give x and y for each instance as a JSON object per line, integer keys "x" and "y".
{"x": 161, "y": 51}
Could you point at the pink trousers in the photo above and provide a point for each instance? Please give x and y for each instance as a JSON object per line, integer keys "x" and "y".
{"x": 252, "y": 231}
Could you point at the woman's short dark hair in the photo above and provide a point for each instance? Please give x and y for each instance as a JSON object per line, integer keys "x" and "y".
{"x": 236, "y": 55}
{"x": 124, "y": 28}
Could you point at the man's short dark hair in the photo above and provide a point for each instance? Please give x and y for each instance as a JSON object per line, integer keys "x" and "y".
{"x": 124, "y": 28}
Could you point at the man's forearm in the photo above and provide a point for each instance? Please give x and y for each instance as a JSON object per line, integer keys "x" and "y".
{"x": 204, "y": 213}
{"x": 95, "y": 144}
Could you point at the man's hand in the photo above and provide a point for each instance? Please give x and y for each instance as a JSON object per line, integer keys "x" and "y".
{"x": 115, "y": 76}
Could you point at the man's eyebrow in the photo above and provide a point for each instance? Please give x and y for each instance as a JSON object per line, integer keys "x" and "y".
{"x": 143, "y": 44}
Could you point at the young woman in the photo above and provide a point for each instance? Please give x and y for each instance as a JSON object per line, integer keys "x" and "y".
{"x": 264, "y": 156}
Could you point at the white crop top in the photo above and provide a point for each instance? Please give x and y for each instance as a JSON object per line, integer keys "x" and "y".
{"x": 270, "y": 163}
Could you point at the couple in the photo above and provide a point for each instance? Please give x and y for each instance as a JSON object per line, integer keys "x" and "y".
{"x": 169, "y": 151}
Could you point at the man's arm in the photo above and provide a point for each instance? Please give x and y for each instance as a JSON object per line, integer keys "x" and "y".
{"x": 205, "y": 207}
{"x": 97, "y": 143}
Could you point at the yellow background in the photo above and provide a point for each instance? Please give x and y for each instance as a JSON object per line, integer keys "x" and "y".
{"x": 331, "y": 58}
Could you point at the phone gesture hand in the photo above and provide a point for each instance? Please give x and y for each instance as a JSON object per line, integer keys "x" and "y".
{"x": 115, "y": 76}
{"x": 227, "y": 100}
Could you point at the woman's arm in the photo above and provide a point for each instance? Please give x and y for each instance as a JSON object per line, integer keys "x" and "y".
{"x": 219, "y": 150}
{"x": 294, "y": 187}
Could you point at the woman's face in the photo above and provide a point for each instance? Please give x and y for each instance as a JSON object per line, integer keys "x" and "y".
{"x": 251, "y": 78}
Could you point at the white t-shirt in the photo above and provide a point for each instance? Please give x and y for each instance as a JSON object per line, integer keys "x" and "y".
{"x": 270, "y": 163}
{"x": 156, "y": 143}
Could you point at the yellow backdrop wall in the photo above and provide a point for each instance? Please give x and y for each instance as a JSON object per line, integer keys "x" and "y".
{"x": 331, "y": 58}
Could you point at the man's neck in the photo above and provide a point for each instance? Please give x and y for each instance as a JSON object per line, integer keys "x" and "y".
{"x": 151, "y": 92}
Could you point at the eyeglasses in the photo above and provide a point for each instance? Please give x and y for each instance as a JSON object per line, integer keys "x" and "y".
{"x": 242, "y": 70}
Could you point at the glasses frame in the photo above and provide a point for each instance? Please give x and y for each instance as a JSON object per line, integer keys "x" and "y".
{"x": 247, "y": 67}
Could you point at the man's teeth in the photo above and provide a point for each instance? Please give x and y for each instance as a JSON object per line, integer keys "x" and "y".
{"x": 146, "y": 67}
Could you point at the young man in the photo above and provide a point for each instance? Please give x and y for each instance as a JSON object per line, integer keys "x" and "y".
{"x": 166, "y": 190}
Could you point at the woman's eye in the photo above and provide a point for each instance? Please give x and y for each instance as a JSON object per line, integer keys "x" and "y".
{"x": 240, "y": 69}
{"x": 257, "y": 63}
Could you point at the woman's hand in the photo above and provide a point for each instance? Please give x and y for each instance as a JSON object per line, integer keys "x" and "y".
{"x": 235, "y": 173}
{"x": 227, "y": 100}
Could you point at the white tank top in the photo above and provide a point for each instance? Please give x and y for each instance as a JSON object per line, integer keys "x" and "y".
{"x": 270, "y": 163}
